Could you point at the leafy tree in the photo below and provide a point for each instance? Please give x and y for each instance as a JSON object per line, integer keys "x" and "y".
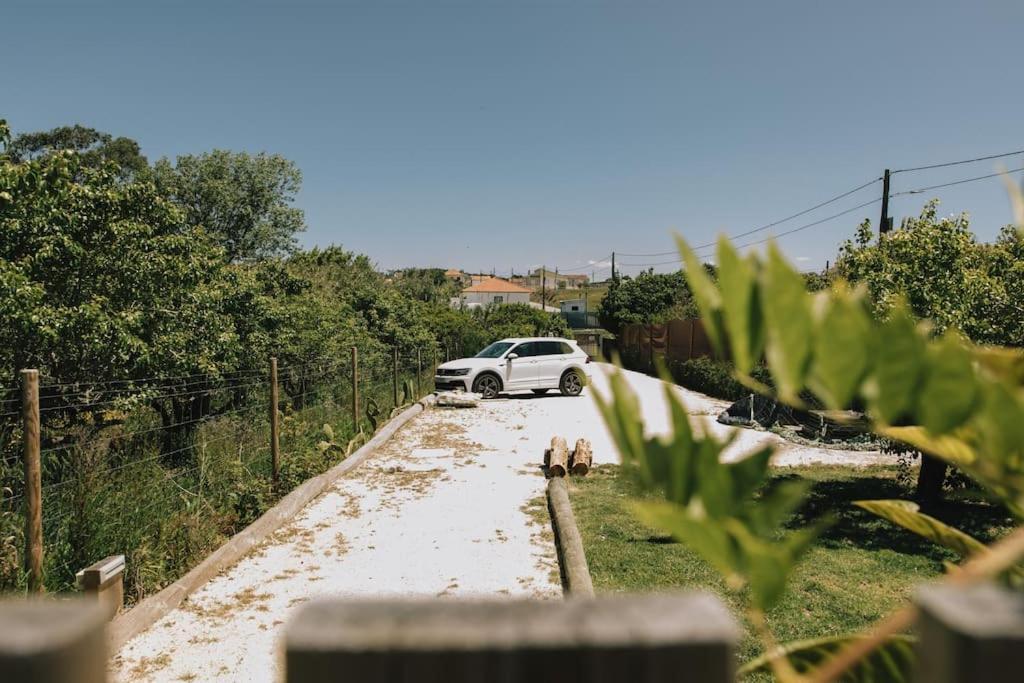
{"x": 947, "y": 277}
{"x": 518, "y": 320}
{"x": 648, "y": 298}
{"x": 93, "y": 147}
{"x": 937, "y": 266}
{"x": 959, "y": 402}
{"x": 244, "y": 201}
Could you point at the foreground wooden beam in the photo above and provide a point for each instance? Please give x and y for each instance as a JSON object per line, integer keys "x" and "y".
{"x": 973, "y": 633}
{"x": 558, "y": 457}
{"x": 572, "y": 560}
{"x": 52, "y": 641}
{"x": 651, "y": 638}
{"x": 582, "y": 458}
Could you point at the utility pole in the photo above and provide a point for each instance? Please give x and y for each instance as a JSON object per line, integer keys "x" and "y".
{"x": 543, "y": 288}
{"x": 885, "y": 223}
{"x": 613, "y": 266}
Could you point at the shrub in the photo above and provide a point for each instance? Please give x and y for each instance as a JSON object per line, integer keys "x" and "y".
{"x": 713, "y": 377}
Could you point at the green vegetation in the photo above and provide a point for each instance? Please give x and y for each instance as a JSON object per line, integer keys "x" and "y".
{"x": 860, "y": 569}
{"x": 150, "y": 299}
{"x": 648, "y": 298}
{"x": 957, "y": 402}
{"x": 713, "y": 377}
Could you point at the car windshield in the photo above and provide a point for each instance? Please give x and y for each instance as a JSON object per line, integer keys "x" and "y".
{"x": 494, "y": 350}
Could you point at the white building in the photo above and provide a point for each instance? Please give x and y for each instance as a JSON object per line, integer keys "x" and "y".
{"x": 494, "y": 290}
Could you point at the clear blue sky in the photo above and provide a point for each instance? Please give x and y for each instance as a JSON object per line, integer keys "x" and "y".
{"x": 508, "y": 134}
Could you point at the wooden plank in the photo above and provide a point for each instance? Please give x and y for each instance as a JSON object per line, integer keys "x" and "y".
{"x": 651, "y": 638}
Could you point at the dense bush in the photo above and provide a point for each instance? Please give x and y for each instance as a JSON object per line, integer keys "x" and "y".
{"x": 713, "y": 377}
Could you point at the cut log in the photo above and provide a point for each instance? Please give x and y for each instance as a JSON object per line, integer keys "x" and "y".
{"x": 582, "y": 457}
{"x": 558, "y": 457}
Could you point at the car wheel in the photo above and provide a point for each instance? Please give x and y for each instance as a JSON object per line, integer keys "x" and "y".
{"x": 571, "y": 384}
{"x": 539, "y": 392}
{"x": 487, "y": 386}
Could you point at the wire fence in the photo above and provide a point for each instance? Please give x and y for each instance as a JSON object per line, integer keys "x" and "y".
{"x": 163, "y": 470}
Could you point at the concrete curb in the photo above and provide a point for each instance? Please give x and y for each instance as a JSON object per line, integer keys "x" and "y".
{"x": 572, "y": 561}
{"x": 136, "y": 620}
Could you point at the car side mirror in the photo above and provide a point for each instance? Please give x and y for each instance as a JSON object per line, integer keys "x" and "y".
{"x": 512, "y": 356}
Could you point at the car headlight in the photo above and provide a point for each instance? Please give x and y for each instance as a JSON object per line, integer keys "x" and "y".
{"x": 459, "y": 372}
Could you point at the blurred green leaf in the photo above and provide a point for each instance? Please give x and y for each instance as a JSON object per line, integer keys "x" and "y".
{"x": 741, "y": 306}
{"x": 788, "y": 327}
{"x": 892, "y": 662}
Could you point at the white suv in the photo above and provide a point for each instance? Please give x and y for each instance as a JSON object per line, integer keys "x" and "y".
{"x": 535, "y": 363}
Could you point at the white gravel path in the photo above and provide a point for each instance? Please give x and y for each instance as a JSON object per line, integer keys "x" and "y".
{"x": 440, "y": 510}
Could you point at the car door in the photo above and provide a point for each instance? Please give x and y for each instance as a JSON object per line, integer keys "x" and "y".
{"x": 550, "y": 362}
{"x": 521, "y": 372}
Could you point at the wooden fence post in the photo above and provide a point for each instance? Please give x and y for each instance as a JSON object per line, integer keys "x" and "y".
{"x": 969, "y": 633}
{"x": 419, "y": 374}
{"x": 53, "y": 641}
{"x": 33, "y": 483}
{"x": 394, "y": 374}
{"x": 646, "y": 638}
{"x": 355, "y": 389}
{"x": 275, "y": 445}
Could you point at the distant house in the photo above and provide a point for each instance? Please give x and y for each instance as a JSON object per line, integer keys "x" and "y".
{"x": 493, "y": 290}
{"x": 553, "y": 280}
{"x": 456, "y": 275}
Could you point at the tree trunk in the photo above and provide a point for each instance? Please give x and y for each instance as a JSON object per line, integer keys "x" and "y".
{"x": 930, "y": 480}
{"x": 582, "y": 457}
{"x": 558, "y": 457}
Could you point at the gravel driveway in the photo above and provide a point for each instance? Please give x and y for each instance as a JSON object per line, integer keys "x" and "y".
{"x": 440, "y": 510}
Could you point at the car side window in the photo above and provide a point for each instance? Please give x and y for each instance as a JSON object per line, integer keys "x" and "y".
{"x": 549, "y": 348}
{"x": 565, "y": 347}
{"x": 525, "y": 350}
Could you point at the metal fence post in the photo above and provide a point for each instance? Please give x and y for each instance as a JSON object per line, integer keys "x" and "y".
{"x": 33, "y": 477}
{"x": 275, "y": 445}
{"x": 355, "y": 389}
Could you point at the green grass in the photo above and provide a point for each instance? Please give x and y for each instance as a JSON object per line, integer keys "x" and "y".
{"x": 860, "y": 570}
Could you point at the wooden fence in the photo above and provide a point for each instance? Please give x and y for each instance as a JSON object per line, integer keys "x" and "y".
{"x": 965, "y": 635}
{"x": 677, "y": 340}
{"x": 49, "y": 493}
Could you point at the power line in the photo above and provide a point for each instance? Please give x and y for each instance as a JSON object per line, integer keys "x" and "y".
{"x": 772, "y": 224}
{"x": 770, "y": 237}
{"x": 955, "y": 182}
{"x": 957, "y": 163}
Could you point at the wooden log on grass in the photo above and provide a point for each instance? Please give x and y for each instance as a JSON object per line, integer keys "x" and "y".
{"x": 558, "y": 457}
{"x": 582, "y": 458}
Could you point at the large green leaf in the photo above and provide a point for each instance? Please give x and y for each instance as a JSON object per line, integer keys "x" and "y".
{"x": 707, "y": 539}
{"x": 908, "y": 515}
{"x": 788, "y": 325}
{"x": 707, "y": 296}
{"x": 742, "y": 309}
{"x": 949, "y": 394}
{"x": 840, "y": 348}
{"x": 897, "y": 354}
{"x": 892, "y": 662}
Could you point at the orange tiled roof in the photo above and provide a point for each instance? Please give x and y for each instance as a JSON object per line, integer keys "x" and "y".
{"x": 496, "y": 284}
